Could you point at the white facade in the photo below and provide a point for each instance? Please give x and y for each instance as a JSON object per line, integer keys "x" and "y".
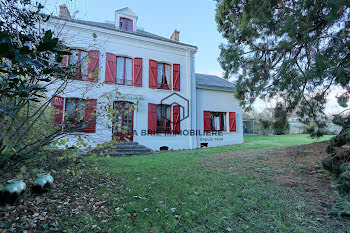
{"x": 94, "y": 36}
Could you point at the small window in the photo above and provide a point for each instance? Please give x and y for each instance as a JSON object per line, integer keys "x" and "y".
{"x": 79, "y": 58}
{"x": 75, "y": 113}
{"x": 163, "y": 76}
{"x": 204, "y": 145}
{"x": 124, "y": 71}
{"x": 163, "y": 118}
{"x": 126, "y": 24}
{"x": 218, "y": 121}
{"x": 164, "y": 148}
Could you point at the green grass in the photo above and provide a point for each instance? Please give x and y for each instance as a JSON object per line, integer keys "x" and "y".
{"x": 194, "y": 191}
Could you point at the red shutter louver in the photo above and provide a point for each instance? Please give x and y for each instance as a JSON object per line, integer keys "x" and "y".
{"x": 111, "y": 62}
{"x": 90, "y": 116}
{"x": 232, "y": 121}
{"x": 153, "y": 72}
{"x": 152, "y": 118}
{"x": 176, "y": 77}
{"x": 58, "y": 103}
{"x": 176, "y": 119}
{"x": 207, "y": 120}
{"x": 137, "y": 72}
{"x": 93, "y": 66}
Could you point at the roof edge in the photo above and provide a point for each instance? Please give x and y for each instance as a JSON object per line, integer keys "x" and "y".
{"x": 126, "y": 32}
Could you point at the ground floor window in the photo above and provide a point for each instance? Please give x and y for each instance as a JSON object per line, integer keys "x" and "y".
{"x": 163, "y": 118}
{"x": 218, "y": 121}
{"x": 75, "y": 113}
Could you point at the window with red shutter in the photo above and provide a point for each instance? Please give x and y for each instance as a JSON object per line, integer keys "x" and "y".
{"x": 58, "y": 103}
{"x": 232, "y": 121}
{"x": 176, "y": 77}
{"x": 90, "y": 116}
{"x": 176, "y": 119}
{"x": 207, "y": 120}
{"x": 152, "y": 118}
{"x": 126, "y": 24}
{"x": 137, "y": 72}
{"x": 93, "y": 65}
{"x": 124, "y": 71}
{"x": 110, "y": 72}
{"x": 153, "y": 73}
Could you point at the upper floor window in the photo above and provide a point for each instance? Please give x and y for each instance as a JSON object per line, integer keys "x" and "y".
{"x": 124, "y": 71}
{"x": 126, "y": 24}
{"x": 163, "y": 77}
{"x": 79, "y": 58}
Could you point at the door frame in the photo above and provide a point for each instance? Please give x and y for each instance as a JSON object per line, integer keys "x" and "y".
{"x": 130, "y": 136}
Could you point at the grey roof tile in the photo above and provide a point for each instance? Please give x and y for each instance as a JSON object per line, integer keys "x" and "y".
{"x": 110, "y": 26}
{"x": 213, "y": 82}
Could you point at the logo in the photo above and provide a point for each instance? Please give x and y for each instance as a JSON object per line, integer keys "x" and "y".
{"x": 176, "y": 99}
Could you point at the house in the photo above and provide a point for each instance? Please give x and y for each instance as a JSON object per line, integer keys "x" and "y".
{"x": 150, "y": 82}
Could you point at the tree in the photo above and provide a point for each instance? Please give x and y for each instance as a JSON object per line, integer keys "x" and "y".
{"x": 280, "y": 124}
{"x": 29, "y": 60}
{"x": 296, "y": 50}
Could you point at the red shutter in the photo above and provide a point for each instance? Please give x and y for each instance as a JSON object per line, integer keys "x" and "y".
{"x": 93, "y": 66}
{"x": 232, "y": 121}
{"x": 111, "y": 62}
{"x": 207, "y": 120}
{"x": 138, "y": 72}
{"x": 176, "y": 77}
{"x": 153, "y": 72}
{"x": 152, "y": 118}
{"x": 176, "y": 119}
{"x": 90, "y": 116}
{"x": 58, "y": 103}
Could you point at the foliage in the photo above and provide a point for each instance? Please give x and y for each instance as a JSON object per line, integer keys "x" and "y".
{"x": 265, "y": 126}
{"x": 280, "y": 124}
{"x": 29, "y": 61}
{"x": 294, "y": 50}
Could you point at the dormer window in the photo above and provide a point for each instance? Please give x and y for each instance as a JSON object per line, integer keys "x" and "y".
{"x": 126, "y": 24}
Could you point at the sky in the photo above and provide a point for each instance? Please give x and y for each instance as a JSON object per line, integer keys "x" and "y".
{"x": 195, "y": 19}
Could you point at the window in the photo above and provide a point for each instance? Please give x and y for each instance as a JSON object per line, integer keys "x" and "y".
{"x": 163, "y": 118}
{"x": 124, "y": 71}
{"x": 218, "y": 121}
{"x": 75, "y": 113}
{"x": 79, "y": 59}
{"x": 163, "y": 76}
{"x": 126, "y": 24}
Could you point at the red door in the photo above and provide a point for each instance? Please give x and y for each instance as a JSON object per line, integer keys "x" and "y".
{"x": 124, "y": 120}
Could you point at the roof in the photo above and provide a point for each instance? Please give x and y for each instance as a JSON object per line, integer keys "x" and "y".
{"x": 111, "y": 26}
{"x": 213, "y": 82}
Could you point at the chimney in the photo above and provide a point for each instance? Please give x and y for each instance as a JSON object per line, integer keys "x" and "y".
{"x": 175, "y": 36}
{"x": 64, "y": 12}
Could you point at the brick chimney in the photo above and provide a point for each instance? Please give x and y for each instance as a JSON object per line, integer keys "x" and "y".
{"x": 64, "y": 12}
{"x": 175, "y": 36}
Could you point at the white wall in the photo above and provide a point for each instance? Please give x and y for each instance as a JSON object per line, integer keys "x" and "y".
{"x": 218, "y": 101}
{"x": 126, "y": 44}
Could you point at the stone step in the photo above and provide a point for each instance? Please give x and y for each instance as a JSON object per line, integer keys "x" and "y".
{"x": 125, "y": 149}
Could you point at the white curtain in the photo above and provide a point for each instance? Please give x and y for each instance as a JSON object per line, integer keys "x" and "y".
{"x": 73, "y": 59}
{"x": 167, "y": 74}
{"x": 160, "y": 74}
{"x": 84, "y": 64}
{"x": 128, "y": 71}
{"x": 120, "y": 69}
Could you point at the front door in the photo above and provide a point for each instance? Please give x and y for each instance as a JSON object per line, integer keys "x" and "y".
{"x": 123, "y": 129}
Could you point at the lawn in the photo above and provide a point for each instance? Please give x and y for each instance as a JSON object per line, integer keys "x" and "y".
{"x": 229, "y": 188}
{"x": 267, "y": 184}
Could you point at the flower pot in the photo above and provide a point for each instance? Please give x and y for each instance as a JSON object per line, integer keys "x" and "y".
{"x": 42, "y": 183}
{"x": 11, "y": 191}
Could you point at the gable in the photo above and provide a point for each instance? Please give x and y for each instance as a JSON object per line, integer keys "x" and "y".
{"x": 126, "y": 12}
